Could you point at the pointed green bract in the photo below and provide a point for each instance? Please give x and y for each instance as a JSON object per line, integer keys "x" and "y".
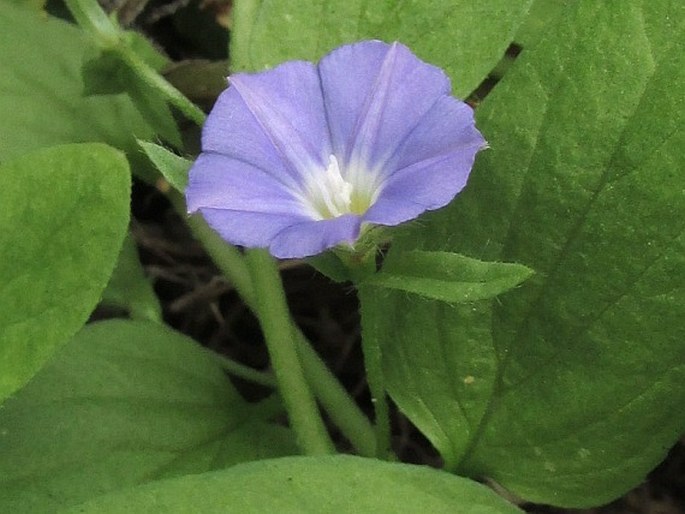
{"x": 332, "y": 484}
{"x": 125, "y": 403}
{"x": 172, "y": 167}
{"x": 63, "y": 218}
{"x": 569, "y": 389}
{"x": 463, "y": 37}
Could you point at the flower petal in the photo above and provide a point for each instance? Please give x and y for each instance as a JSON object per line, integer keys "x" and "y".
{"x": 381, "y": 115}
{"x": 374, "y": 99}
{"x": 288, "y": 105}
{"x": 313, "y": 237}
{"x": 347, "y": 76}
{"x": 221, "y": 182}
{"x": 250, "y": 229}
{"x": 447, "y": 127}
{"x": 426, "y": 185}
{"x": 232, "y": 130}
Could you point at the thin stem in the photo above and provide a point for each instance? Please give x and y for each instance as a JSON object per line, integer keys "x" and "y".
{"x": 245, "y": 372}
{"x": 339, "y": 405}
{"x": 92, "y": 19}
{"x": 274, "y": 317}
{"x": 373, "y": 360}
{"x": 161, "y": 86}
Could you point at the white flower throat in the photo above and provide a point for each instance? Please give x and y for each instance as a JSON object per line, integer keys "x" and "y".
{"x": 328, "y": 194}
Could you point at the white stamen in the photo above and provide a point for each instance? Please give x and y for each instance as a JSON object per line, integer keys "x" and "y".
{"x": 327, "y": 194}
{"x": 336, "y": 191}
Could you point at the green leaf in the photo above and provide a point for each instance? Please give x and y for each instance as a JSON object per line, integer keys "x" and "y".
{"x": 172, "y": 167}
{"x": 129, "y": 288}
{"x": 125, "y": 403}
{"x": 569, "y": 389}
{"x": 41, "y": 89}
{"x": 449, "y": 277}
{"x": 64, "y": 215}
{"x": 33, "y": 4}
{"x": 463, "y": 37}
{"x": 542, "y": 17}
{"x": 330, "y": 484}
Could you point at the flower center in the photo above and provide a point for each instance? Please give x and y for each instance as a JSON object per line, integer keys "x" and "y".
{"x": 329, "y": 195}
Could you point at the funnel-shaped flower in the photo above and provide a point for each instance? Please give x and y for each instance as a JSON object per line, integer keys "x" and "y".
{"x": 299, "y": 158}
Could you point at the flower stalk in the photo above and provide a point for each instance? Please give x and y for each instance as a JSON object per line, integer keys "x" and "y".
{"x": 303, "y": 412}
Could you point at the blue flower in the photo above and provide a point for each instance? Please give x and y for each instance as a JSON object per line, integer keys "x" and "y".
{"x": 304, "y": 157}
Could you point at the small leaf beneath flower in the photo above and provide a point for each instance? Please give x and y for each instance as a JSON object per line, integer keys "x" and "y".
{"x": 449, "y": 277}
{"x": 173, "y": 167}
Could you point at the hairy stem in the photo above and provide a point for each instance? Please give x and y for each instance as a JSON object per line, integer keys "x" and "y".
{"x": 274, "y": 317}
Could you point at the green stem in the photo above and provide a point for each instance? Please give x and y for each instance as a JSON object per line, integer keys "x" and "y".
{"x": 373, "y": 360}
{"x": 361, "y": 265}
{"x": 274, "y": 317}
{"x": 161, "y": 86}
{"x": 92, "y": 19}
{"x": 245, "y": 372}
{"x": 339, "y": 405}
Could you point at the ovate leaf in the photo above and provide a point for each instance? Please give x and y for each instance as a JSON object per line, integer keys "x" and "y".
{"x": 449, "y": 277}
{"x": 569, "y": 389}
{"x": 316, "y": 485}
{"x": 464, "y": 37}
{"x": 63, "y": 218}
{"x": 125, "y": 403}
